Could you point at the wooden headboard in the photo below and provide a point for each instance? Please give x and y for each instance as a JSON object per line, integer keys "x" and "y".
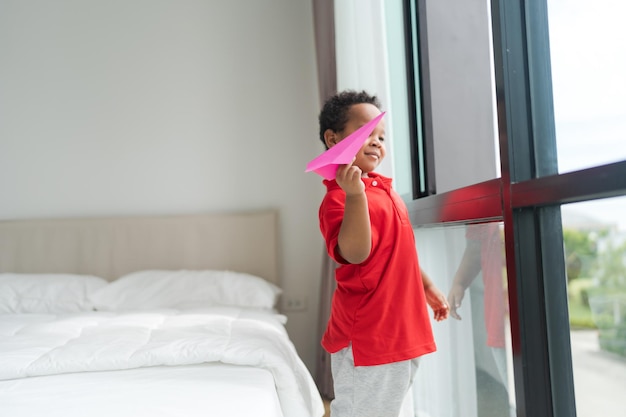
{"x": 112, "y": 247}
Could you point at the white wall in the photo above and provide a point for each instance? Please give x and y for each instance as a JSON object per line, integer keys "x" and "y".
{"x": 125, "y": 107}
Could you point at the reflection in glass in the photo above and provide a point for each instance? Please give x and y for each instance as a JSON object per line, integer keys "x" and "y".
{"x": 595, "y": 250}
{"x": 588, "y": 66}
{"x": 471, "y": 373}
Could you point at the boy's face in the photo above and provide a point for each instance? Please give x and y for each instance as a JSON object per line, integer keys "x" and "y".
{"x": 373, "y": 151}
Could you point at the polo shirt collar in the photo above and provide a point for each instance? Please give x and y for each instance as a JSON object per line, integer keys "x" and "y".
{"x": 372, "y": 179}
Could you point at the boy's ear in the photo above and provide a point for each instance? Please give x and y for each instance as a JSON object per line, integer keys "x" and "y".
{"x": 330, "y": 137}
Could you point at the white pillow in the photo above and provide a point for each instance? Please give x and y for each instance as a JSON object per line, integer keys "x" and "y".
{"x": 185, "y": 289}
{"x": 47, "y": 293}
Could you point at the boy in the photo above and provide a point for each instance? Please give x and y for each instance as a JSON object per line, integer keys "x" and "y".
{"x": 379, "y": 325}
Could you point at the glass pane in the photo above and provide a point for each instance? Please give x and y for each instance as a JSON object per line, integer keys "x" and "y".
{"x": 461, "y": 110}
{"x": 470, "y": 375}
{"x": 398, "y": 129}
{"x": 589, "y": 87}
{"x": 595, "y": 249}
{"x": 456, "y": 127}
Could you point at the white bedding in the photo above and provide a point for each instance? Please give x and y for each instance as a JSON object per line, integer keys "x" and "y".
{"x": 161, "y": 346}
{"x": 212, "y": 389}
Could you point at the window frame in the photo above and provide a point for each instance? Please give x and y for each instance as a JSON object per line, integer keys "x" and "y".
{"x": 419, "y": 100}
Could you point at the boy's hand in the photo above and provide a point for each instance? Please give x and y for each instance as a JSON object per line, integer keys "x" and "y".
{"x": 455, "y": 297}
{"x": 348, "y": 177}
{"x": 437, "y": 301}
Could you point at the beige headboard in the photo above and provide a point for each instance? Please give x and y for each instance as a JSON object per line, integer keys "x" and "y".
{"x": 111, "y": 247}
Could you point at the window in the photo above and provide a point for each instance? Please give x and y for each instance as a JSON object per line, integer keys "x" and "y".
{"x": 450, "y": 96}
{"x": 413, "y": 162}
{"x": 526, "y": 195}
{"x": 588, "y": 67}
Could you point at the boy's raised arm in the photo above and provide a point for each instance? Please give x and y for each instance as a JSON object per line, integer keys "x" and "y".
{"x": 355, "y": 235}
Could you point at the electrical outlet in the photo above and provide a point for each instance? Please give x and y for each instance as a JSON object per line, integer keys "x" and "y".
{"x": 294, "y": 303}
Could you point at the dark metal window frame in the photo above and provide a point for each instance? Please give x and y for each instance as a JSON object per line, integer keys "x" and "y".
{"x": 418, "y": 86}
{"x": 527, "y": 198}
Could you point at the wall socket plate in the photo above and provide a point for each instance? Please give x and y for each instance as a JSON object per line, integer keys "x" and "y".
{"x": 294, "y": 303}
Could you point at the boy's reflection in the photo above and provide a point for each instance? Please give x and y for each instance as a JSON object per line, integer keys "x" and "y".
{"x": 483, "y": 253}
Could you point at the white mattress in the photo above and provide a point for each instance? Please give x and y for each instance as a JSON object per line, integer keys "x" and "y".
{"x": 213, "y": 362}
{"x": 191, "y": 390}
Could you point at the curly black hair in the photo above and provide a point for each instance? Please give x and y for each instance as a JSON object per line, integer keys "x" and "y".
{"x": 334, "y": 114}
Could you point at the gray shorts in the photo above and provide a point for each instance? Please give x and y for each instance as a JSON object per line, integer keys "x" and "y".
{"x": 369, "y": 391}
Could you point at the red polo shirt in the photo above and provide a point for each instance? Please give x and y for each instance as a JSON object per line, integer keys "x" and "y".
{"x": 379, "y": 305}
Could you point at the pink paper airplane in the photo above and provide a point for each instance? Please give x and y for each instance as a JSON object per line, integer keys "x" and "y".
{"x": 342, "y": 153}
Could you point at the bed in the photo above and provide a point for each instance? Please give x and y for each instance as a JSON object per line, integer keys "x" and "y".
{"x": 147, "y": 316}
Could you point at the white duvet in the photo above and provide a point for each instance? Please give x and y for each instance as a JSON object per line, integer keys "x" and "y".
{"x": 39, "y": 345}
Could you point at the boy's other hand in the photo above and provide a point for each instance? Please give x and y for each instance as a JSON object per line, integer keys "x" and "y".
{"x": 348, "y": 177}
{"x": 437, "y": 301}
